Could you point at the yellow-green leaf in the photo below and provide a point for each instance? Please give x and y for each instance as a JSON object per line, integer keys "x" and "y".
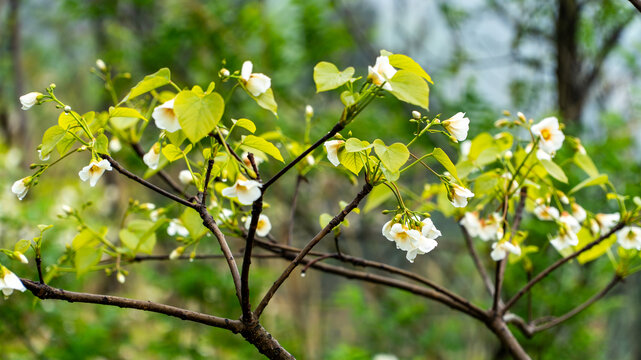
{"x": 405, "y": 62}
{"x": 585, "y": 237}
{"x": 328, "y": 77}
{"x": 554, "y": 170}
{"x": 198, "y": 114}
{"x": 442, "y": 157}
{"x": 596, "y": 180}
{"x": 266, "y": 101}
{"x": 350, "y": 160}
{"x": 410, "y": 88}
{"x": 378, "y": 195}
{"x": 246, "y": 124}
{"x": 258, "y": 143}
{"x": 149, "y": 82}
{"x": 51, "y": 138}
{"x": 393, "y": 156}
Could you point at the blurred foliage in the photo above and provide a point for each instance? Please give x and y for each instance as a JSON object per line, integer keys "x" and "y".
{"x": 319, "y": 317}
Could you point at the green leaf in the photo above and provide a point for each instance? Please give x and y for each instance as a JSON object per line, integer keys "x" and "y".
{"x": 393, "y": 156}
{"x": 328, "y": 77}
{"x": 124, "y": 112}
{"x": 442, "y": 157}
{"x": 356, "y": 145}
{"x": 102, "y": 144}
{"x": 405, "y": 62}
{"x": 258, "y": 143}
{"x": 160, "y": 78}
{"x": 348, "y": 98}
{"x": 324, "y": 219}
{"x": 129, "y": 239}
{"x": 22, "y": 246}
{"x": 65, "y": 143}
{"x": 266, "y": 101}
{"x": 378, "y": 195}
{"x": 481, "y": 142}
{"x": 597, "y": 180}
{"x": 83, "y": 239}
{"x": 51, "y": 138}
{"x": 585, "y": 237}
{"x": 176, "y": 137}
{"x": 67, "y": 120}
{"x": 246, "y": 124}
{"x": 145, "y": 231}
{"x": 554, "y": 170}
{"x": 585, "y": 163}
{"x": 350, "y": 160}
{"x": 85, "y": 258}
{"x": 193, "y": 223}
{"x": 172, "y": 152}
{"x": 487, "y": 156}
{"x": 410, "y": 88}
{"x": 198, "y": 114}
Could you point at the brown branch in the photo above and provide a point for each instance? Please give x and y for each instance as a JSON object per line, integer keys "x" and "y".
{"x": 210, "y": 165}
{"x": 44, "y": 292}
{"x": 636, "y": 4}
{"x": 257, "y": 208}
{"x": 477, "y": 261}
{"x": 146, "y": 183}
{"x": 558, "y": 264}
{"x": 338, "y": 127}
{"x": 163, "y": 175}
{"x": 297, "y": 260}
{"x": 210, "y": 224}
{"x": 499, "y": 327}
{"x": 141, "y": 258}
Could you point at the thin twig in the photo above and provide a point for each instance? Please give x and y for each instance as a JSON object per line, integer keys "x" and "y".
{"x": 163, "y": 175}
{"x": 141, "y": 258}
{"x": 637, "y": 4}
{"x": 257, "y": 208}
{"x": 297, "y": 260}
{"x": 146, "y": 183}
{"x": 338, "y": 127}
{"x": 210, "y": 165}
{"x": 558, "y": 264}
{"x": 47, "y": 292}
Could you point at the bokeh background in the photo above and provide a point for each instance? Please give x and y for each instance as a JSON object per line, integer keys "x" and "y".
{"x": 579, "y": 60}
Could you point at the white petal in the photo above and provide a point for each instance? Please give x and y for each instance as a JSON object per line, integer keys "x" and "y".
{"x": 258, "y": 84}
{"x": 246, "y": 70}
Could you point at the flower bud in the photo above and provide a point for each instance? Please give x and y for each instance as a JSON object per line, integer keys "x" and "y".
{"x": 52, "y": 86}
{"x": 176, "y": 253}
{"x": 223, "y": 73}
{"x": 121, "y": 277}
{"x": 20, "y": 256}
{"x": 521, "y": 116}
{"x": 500, "y": 123}
{"x": 101, "y": 65}
{"x": 67, "y": 108}
{"x": 507, "y": 113}
{"x": 508, "y": 155}
{"x": 67, "y": 209}
{"x": 416, "y": 115}
{"x": 309, "y": 111}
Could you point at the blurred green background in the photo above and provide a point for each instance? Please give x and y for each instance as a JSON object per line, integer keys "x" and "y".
{"x": 576, "y": 59}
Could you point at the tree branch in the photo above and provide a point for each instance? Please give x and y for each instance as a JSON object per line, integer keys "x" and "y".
{"x": 146, "y": 183}
{"x": 44, "y": 292}
{"x": 297, "y": 260}
{"x": 636, "y": 4}
{"x": 257, "y": 208}
{"x": 558, "y": 264}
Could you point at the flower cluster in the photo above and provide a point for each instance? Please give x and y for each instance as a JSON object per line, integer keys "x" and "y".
{"x": 255, "y": 83}
{"x": 490, "y": 229}
{"x": 550, "y": 137}
{"x": 416, "y": 238}
{"x": 246, "y": 191}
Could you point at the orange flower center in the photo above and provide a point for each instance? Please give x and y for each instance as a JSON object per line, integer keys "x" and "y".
{"x": 546, "y": 134}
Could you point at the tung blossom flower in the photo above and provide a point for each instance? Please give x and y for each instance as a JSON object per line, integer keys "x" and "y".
{"x": 247, "y": 191}
{"x": 9, "y": 282}
{"x": 501, "y": 248}
{"x": 185, "y": 177}
{"x": 176, "y": 228}
{"x": 546, "y": 213}
{"x": 564, "y": 239}
{"x": 458, "y": 195}
{"x": 381, "y": 72}
{"x": 20, "y": 257}
{"x": 458, "y": 125}
{"x": 21, "y": 187}
{"x": 152, "y": 157}
{"x": 94, "y": 171}
{"x": 332, "y": 148}
{"x": 29, "y": 100}
{"x": 578, "y": 212}
{"x": 165, "y": 117}
{"x": 256, "y": 83}
{"x": 570, "y": 222}
{"x": 551, "y": 138}
{"x": 630, "y": 237}
{"x": 607, "y": 221}
{"x": 263, "y": 227}
{"x": 491, "y": 228}
{"x": 471, "y": 223}
{"x": 403, "y": 236}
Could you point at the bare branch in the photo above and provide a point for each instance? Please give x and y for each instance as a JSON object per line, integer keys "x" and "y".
{"x": 257, "y": 208}
{"x": 297, "y": 260}
{"x": 146, "y": 183}
{"x": 210, "y": 165}
{"x": 558, "y": 264}
{"x": 163, "y": 175}
{"x": 44, "y": 292}
{"x": 636, "y": 4}
{"x": 142, "y": 258}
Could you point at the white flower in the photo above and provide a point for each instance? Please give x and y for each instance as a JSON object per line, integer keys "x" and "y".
{"x": 20, "y": 257}
{"x": 176, "y": 253}
{"x": 546, "y": 213}
{"x": 385, "y": 357}
{"x": 465, "y": 148}
{"x": 564, "y": 239}
{"x": 256, "y": 83}
{"x": 21, "y": 187}
{"x": 607, "y": 221}
{"x": 500, "y": 250}
{"x": 424, "y": 243}
{"x": 471, "y": 223}
{"x": 429, "y": 230}
{"x": 542, "y": 155}
{"x": 115, "y": 145}
{"x": 551, "y": 137}
{"x": 458, "y": 195}
{"x": 381, "y": 72}
{"x": 185, "y": 177}
{"x": 247, "y": 191}
{"x": 491, "y": 228}
{"x": 152, "y": 157}
{"x": 578, "y": 212}
{"x": 9, "y": 282}
{"x": 570, "y": 222}
{"x": 176, "y": 228}
{"x": 332, "y": 147}
{"x": 630, "y": 237}
{"x": 263, "y": 227}
{"x": 404, "y": 237}
{"x": 514, "y": 185}
{"x": 29, "y": 100}
{"x": 43, "y": 158}
{"x": 94, "y": 171}
{"x": 458, "y": 125}
{"x": 165, "y": 117}
{"x": 225, "y": 215}
{"x": 121, "y": 277}
{"x": 101, "y": 65}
